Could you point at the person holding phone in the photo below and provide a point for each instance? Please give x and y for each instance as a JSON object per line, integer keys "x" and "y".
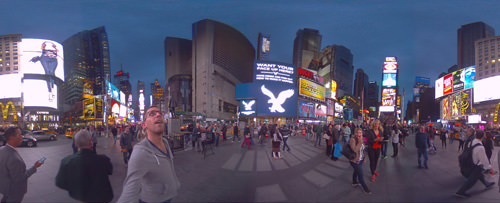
{"x": 13, "y": 173}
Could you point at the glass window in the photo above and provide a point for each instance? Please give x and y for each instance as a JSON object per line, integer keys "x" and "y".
{"x": 487, "y": 72}
{"x": 16, "y": 68}
{"x": 7, "y": 68}
{"x": 1, "y": 69}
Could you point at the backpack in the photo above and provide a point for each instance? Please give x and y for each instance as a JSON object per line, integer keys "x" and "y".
{"x": 465, "y": 161}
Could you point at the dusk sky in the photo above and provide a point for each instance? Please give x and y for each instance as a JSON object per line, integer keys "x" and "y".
{"x": 422, "y": 34}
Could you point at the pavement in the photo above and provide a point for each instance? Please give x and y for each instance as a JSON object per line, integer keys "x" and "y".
{"x": 305, "y": 174}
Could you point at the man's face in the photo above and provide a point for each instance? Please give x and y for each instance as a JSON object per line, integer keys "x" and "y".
{"x": 17, "y": 139}
{"x": 154, "y": 121}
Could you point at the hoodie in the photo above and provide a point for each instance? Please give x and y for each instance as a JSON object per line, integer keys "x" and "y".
{"x": 151, "y": 175}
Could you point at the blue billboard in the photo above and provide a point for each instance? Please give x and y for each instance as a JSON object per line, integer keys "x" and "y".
{"x": 469, "y": 76}
{"x": 112, "y": 91}
{"x": 248, "y": 107}
{"x": 306, "y": 109}
{"x": 389, "y": 80}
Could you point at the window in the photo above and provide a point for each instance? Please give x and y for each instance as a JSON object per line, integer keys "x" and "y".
{"x": 7, "y": 54}
{"x": 487, "y": 72}
{"x": 7, "y": 68}
{"x": 16, "y": 68}
{"x": 15, "y": 62}
{"x": 480, "y": 74}
{"x": 1, "y": 69}
{"x": 486, "y": 67}
{"x": 15, "y": 58}
{"x": 7, "y": 63}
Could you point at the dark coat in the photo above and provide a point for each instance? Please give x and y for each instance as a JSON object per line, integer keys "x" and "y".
{"x": 371, "y": 136}
{"x": 422, "y": 140}
{"x": 85, "y": 175}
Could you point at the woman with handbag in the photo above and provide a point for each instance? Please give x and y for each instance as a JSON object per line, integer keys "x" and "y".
{"x": 375, "y": 138}
{"x": 356, "y": 144}
{"x": 276, "y": 142}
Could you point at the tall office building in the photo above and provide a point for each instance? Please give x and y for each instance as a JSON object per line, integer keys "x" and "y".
{"x": 466, "y": 37}
{"x": 372, "y": 101}
{"x": 336, "y": 63}
{"x": 222, "y": 58}
{"x": 86, "y": 57}
{"x": 10, "y": 79}
{"x": 306, "y": 48}
{"x": 487, "y": 57}
{"x": 360, "y": 84}
{"x": 178, "y": 73}
{"x": 263, "y": 47}
{"x": 10, "y": 53}
{"x": 120, "y": 76}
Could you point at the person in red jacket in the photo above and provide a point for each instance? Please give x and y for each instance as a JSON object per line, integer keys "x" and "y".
{"x": 375, "y": 137}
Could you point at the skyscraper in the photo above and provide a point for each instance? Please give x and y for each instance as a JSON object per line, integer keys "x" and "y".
{"x": 306, "y": 48}
{"x": 360, "y": 84}
{"x": 466, "y": 37}
{"x": 371, "y": 99}
{"x": 336, "y": 63}
{"x": 86, "y": 57}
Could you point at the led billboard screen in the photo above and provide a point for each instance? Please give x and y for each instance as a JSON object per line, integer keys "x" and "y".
{"x": 122, "y": 98}
{"x": 423, "y": 80}
{"x": 333, "y": 93}
{"x": 113, "y": 91}
{"x": 472, "y": 119}
{"x": 455, "y": 101}
{"x": 458, "y": 83}
{"x": 469, "y": 77}
{"x": 276, "y": 99}
{"x": 88, "y": 109}
{"x": 123, "y": 111}
{"x": 448, "y": 84}
{"x": 306, "y": 109}
{"x": 445, "y": 109}
{"x": 10, "y": 85}
{"x": 311, "y": 90}
{"x": 390, "y": 67}
{"x": 439, "y": 88}
{"x": 485, "y": 89}
{"x": 389, "y": 80}
{"x": 330, "y": 107}
{"x": 388, "y": 97}
{"x": 386, "y": 108}
{"x": 115, "y": 107}
{"x": 320, "y": 112}
{"x": 248, "y": 107}
{"x": 465, "y": 102}
{"x": 274, "y": 72}
{"x": 42, "y": 65}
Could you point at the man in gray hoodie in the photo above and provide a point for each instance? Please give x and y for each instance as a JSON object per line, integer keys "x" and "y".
{"x": 151, "y": 175}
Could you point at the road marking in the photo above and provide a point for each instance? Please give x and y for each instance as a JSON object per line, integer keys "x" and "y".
{"x": 232, "y": 162}
{"x": 248, "y": 161}
{"x": 269, "y": 193}
{"x": 263, "y": 162}
{"x": 317, "y": 179}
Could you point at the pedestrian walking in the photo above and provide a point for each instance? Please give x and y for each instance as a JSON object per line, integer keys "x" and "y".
{"x": 356, "y": 144}
{"x": 13, "y": 172}
{"x": 246, "y": 135}
{"x": 94, "y": 135}
{"x": 85, "y": 175}
{"x": 461, "y": 139}
{"x": 285, "y": 133}
{"x": 276, "y": 142}
{"x": 126, "y": 144}
{"x": 151, "y": 175}
{"x": 318, "y": 129}
{"x": 195, "y": 137}
{"x": 422, "y": 143}
{"x": 480, "y": 163}
{"x": 488, "y": 145}
{"x": 444, "y": 134}
{"x": 395, "y": 133}
{"x": 114, "y": 131}
{"x": 346, "y": 134}
{"x": 374, "y": 141}
{"x": 236, "y": 132}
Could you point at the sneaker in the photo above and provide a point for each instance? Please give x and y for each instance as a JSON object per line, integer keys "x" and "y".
{"x": 488, "y": 186}
{"x": 373, "y": 178}
{"x": 385, "y": 157}
{"x": 462, "y": 195}
{"x": 376, "y": 173}
{"x": 367, "y": 191}
{"x": 356, "y": 184}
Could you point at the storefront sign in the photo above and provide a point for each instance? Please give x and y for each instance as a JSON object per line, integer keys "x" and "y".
{"x": 311, "y": 90}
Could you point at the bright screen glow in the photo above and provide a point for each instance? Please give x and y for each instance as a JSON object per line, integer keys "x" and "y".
{"x": 474, "y": 119}
{"x": 37, "y": 94}
{"x": 123, "y": 111}
{"x": 389, "y": 80}
{"x": 390, "y": 67}
{"x": 386, "y": 108}
{"x": 484, "y": 89}
{"x": 40, "y": 56}
{"x": 13, "y": 82}
{"x": 439, "y": 88}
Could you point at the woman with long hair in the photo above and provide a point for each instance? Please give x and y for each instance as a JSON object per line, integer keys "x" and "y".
{"x": 356, "y": 144}
{"x": 276, "y": 142}
{"x": 395, "y": 133}
{"x": 488, "y": 145}
{"x": 375, "y": 138}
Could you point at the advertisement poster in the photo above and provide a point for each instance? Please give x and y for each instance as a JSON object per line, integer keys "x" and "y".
{"x": 88, "y": 109}
{"x": 42, "y": 64}
{"x": 445, "y": 106}
{"x": 439, "y": 88}
{"x": 113, "y": 91}
{"x": 13, "y": 81}
{"x": 390, "y": 67}
{"x": 466, "y": 104}
{"x": 388, "y": 97}
{"x": 272, "y": 71}
{"x": 115, "y": 107}
{"x": 248, "y": 107}
{"x": 469, "y": 76}
{"x": 455, "y": 105}
{"x": 306, "y": 109}
{"x": 448, "y": 84}
{"x": 333, "y": 93}
{"x": 389, "y": 80}
{"x": 483, "y": 87}
{"x": 99, "y": 108}
{"x": 330, "y": 107}
{"x": 320, "y": 112}
{"x": 458, "y": 80}
{"x": 312, "y": 90}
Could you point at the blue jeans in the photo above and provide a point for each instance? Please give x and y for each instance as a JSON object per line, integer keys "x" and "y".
{"x": 216, "y": 140}
{"x": 384, "y": 148}
{"x": 357, "y": 176}
{"x": 420, "y": 153}
{"x": 285, "y": 143}
{"x": 318, "y": 139}
{"x": 307, "y": 136}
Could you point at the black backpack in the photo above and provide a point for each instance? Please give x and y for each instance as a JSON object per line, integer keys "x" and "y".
{"x": 466, "y": 162}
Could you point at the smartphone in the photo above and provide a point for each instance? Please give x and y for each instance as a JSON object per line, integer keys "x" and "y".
{"x": 42, "y": 160}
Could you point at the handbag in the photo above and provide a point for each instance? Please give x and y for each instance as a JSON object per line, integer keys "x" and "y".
{"x": 326, "y": 136}
{"x": 348, "y": 152}
{"x": 338, "y": 148}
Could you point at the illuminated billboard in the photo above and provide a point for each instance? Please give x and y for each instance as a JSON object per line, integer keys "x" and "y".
{"x": 330, "y": 107}
{"x": 439, "y": 88}
{"x": 141, "y": 100}
{"x": 469, "y": 77}
{"x": 306, "y": 109}
{"x": 388, "y": 97}
{"x": 390, "y": 65}
{"x": 42, "y": 65}
{"x": 465, "y": 102}
{"x": 88, "y": 109}
{"x": 423, "y": 80}
{"x": 320, "y": 111}
{"x": 13, "y": 82}
{"x": 333, "y": 93}
{"x": 122, "y": 98}
{"x": 248, "y": 107}
{"x": 115, "y": 107}
{"x": 445, "y": 109}
{"x": 448, "y": 84}
{"x": 458, "y": 83}
{"x": 389, "y": 80}
{"x": 113, "y": 91}
{"x": 123, "y": 111}
{"x": 88, "y": 89}
{"x": 386, "y": 109}
{"x": 274, "y": 72}
{"x": 311, "y": 89}
{"x": 276, "y": 99}
{"x": 484, "y": 89}
{"x": 455, "y": 101}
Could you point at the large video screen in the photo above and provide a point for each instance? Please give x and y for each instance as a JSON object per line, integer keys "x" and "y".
{"x": 311, "y": 90}
{"x": 306, "y": 109}
{"x": 388, "y": 97}
{"x": 390, "y": 65}
{"x": 42, "y": 63}
{"x": 274, "y": 72}
{"x": 113, "y": 91}
{"x": 389, "y": 80}
{"x": 439, "y": 88}
{"x": 456, "y": 81}
{"x": 10, "y": 86}
{"x": 248, "y": 107}
{"x": 485, "y": 89}
{"x": 36, "y": 94}
{"x": 320, "y": 112}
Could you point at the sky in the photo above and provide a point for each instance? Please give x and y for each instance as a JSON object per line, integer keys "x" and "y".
{"x": 421, "y": 34}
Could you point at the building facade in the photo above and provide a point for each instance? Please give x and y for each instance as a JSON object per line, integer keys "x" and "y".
{"x": 10, "y": 98}
{"x": 306, "y": 48}
{"x": 87, "y": 57}
{"x": 178, "y": 74}
{"x": 372, "y": 101}
{"x": 221, "y": 58}
{"x": 466, "y": 37}
{"x": 336, "y": 63}
{"x": 361, "y": 86}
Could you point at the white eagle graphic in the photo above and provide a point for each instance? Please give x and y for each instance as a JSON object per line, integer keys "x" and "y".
{"x": 248, "y": 106}
{"x": 277, "y": 101}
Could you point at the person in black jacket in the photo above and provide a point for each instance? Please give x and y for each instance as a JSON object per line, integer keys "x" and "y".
{"x": 375, "y": 137}
{"x": 422, "y": 143}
